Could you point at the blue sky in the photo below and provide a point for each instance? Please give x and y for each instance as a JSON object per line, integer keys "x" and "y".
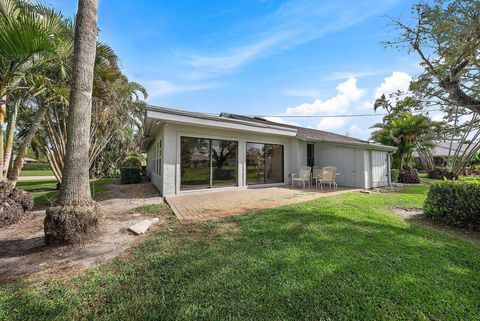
{"x": 260, "y": 57}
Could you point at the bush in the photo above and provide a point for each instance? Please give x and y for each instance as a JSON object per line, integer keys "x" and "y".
{"x": 394, "y": 174}
{"x": 130, "y": 175}
{"x": 131, "y": 162}
{"x": 454, "y": 203}
{"x": 36, "y": 167}
{"x": 442, "y": 173}
{"x": 130, "y": 170}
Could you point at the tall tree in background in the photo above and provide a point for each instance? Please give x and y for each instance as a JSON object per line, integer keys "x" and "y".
{"x": 76, "y": 217}
{"x": 445, "y": 36}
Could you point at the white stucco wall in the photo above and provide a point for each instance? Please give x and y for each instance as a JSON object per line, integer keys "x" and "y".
{"x": 354, "y": 164}
{"x": 169, "y": 182}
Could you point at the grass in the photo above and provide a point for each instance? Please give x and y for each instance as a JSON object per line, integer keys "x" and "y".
{"x": 343, "y": 258}
{"x": 45, "y": 192}
{"x": 36, "y": 173}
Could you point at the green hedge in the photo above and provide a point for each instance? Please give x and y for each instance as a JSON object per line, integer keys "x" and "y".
{"x": 130, "y": 175}
{"x": 394, "y": 173}
{"x": 454, "y": 203}
{"x": 132, "y": 162}
{"x": 130, "y": 170}
{"x": 36, "y": 167}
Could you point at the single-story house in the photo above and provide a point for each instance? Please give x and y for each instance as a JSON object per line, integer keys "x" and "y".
{"x": 190, "y": 151}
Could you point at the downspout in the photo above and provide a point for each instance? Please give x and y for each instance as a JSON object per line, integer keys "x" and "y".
{"x": 389, "y": 169}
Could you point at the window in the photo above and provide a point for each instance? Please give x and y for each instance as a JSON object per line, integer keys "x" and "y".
{"x": 157, "y": 158}
{"x": 207, "y": 163}
{"x": 264, "y": 163}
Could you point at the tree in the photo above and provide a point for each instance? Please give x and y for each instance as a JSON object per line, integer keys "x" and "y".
{"x": 445, "y": 35}
{"x": 446, "y": 38}
{"x": 76, "y": 217}
{"x": 27, "y": 32}
{"x": 404, "y": 130}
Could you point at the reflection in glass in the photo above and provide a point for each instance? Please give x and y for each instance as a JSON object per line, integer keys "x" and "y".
{"x": 255, "y": 163}
{"x": 274, "y": 160}
{"x": 195, "y": 163}
{"x": 264, "y": 163}
{"x": 207, "y": 163}
{"x": 224, "y": 163}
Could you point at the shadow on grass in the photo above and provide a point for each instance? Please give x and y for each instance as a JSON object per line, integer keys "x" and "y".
{"x": 336, "y": 258}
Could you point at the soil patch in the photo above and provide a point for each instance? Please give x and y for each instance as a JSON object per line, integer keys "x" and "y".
{"x": 23, "y": 250}
{"x": 415, "y": 216}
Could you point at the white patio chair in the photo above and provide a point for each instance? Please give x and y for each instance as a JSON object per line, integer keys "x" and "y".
{"x": 316, "y": 174}
{"x": 328, "y": 176}
{"x": 303, "y": 176}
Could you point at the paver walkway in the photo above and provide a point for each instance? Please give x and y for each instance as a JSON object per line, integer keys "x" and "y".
{"x": 204, "y": 206}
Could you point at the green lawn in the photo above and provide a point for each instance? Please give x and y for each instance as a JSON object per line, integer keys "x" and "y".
{"x": 336, "y": 258}
{"x": 45, "y": 193}
{"x": 37, "y": 173}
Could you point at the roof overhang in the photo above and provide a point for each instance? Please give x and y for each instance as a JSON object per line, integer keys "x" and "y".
{"x": 159, "y": 115}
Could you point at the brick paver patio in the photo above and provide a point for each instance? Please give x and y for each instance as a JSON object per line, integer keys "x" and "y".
{"x": 204, "y": 206}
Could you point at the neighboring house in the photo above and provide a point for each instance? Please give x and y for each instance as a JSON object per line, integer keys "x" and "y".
{"x": 443, "y": 150}
{"x": 190, "y": 151}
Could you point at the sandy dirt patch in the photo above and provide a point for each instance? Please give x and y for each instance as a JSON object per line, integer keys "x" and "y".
{"x": 23, "y": 251}
{"x": 415, "y": 216}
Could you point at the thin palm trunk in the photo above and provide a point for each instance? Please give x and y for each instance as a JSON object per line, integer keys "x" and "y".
{"x": 27, "y": 141}
{"x": 75, "y": 187}
{"x": 3, "y": 110}
{"x": 9, "y": 138}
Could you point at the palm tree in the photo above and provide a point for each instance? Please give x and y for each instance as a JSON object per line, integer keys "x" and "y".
{"x": 27, "y": 32}
{"x": 76, "y": 217}
{"x": 404, "y": 130}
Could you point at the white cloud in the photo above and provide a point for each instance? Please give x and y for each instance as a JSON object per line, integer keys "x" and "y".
{"x": 282, "y": 120}
{"x": 340, "y": 75}
{"x": 294, "y": 23}
{"x": 359, "y": 130}
{"x": 330, "y": 123}
{"x": 397, "y": 81}
{"x": 159, "y": 88}
{"x": 309, "y": 93}
{"x": 347, "y": 94}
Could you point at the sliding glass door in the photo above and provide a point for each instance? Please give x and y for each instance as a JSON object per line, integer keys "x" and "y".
{"x": 207, "y": 163}
{"x": 264, "y": 163}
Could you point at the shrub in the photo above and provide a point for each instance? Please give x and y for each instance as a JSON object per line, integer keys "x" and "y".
{"x": 130, "y": 175}
{"x": 36, "y": 167}
{"x": 131, "y": 162}
{"x": 442, "y": 173}
{"x": 130, "y": 170}
{"x": 394, "y": 173}
{"x": 454, "y": 203}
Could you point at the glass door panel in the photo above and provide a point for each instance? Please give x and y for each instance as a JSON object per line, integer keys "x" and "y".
{"x": 274, "y": 164}
{"x": 224, "y": 163}
{"x": 195, "y": 163}
{"x": 255, "y": 163}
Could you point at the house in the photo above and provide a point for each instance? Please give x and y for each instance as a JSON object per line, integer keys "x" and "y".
{"x": 442, "y": 150}
{"x": 190, "y": 151}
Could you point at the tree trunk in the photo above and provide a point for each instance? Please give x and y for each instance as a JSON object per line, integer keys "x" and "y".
{"x": 3, "y": 111}
{"x": 76, "y": 219}
{"x": 27, "y": 141}
{"x": 7, "y": 154}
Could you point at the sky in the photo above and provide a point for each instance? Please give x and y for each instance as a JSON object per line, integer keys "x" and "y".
{"x": 261, "y": 57}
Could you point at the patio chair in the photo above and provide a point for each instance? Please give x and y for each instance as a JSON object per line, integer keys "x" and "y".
{"x": 304, "y": 176}
{"x": 316, "y": 174}
{"x": 328, "y": 176}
